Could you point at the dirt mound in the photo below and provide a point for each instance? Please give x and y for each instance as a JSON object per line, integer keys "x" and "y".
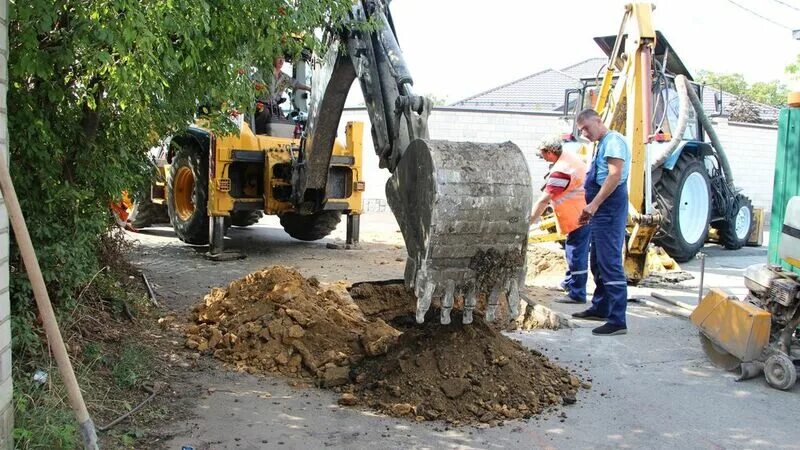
{"x": 277, "y": 321}
{"x": 459, "y": 373}
{"x": 545, "y": 262}
{"x": 370, "y": 349}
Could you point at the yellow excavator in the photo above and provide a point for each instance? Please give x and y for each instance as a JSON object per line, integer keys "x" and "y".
{"x": 679, "y": 184}
{"x": 462, "y": 207}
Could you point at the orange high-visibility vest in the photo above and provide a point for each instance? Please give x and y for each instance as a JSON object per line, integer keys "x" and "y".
{"x": 569, "y": 204}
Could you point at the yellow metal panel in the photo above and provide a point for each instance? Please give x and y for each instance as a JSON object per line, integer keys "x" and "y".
{"x": 548, "y": 231}
{"x": 756, "y": 237}
{"x": 354, "y": 135}
{"x": 643, "y": 13}
{"x": 739, "y": 328}
{"x": 276, "y": 152}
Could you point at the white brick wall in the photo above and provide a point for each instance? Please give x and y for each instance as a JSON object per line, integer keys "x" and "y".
{"x": 6, "y": 391}
{"x": 751, "y": 149}
{"x": 525, "y": 130}
{"x": 751, "y": 153}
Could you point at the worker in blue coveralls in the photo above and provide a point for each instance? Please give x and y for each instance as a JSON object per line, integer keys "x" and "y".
{"x": 607, "y": 212}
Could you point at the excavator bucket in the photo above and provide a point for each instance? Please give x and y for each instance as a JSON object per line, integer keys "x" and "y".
{"x": 463, "y": 209}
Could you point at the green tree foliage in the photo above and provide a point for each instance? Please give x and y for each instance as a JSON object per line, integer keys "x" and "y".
{"x": 771, "y": 93}
{"x": 94, "y": 84}
{"x": 793, "y": 69}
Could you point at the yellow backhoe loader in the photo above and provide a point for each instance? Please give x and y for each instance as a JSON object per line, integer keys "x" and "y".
{"x": 462, "y": 207}
{"x": 679, "y": 184}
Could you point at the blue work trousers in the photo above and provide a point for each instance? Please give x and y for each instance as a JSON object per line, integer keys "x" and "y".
{"x": 607, "y": 239}
{"x": 577, "y": 253}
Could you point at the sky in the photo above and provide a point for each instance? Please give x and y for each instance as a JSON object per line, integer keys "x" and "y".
{"x": 457, "y": 48}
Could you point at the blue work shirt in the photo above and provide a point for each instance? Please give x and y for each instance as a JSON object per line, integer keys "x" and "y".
{"x": 612, "y": 145}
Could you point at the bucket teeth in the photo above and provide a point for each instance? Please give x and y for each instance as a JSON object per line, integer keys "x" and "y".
{"x": 469, "y": 305}
{"x": 447, "y": 302}
{"x": 494, "y": 299}
{"x": 512, "y": 296}
{"x": 424, "y": 301}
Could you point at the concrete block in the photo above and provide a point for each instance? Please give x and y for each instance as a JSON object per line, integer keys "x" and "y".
{"x": 4, "y": 271}
{"x": 5, "y": 337}
{"x": 7, "y": 427}
{"x": 5, "y": 303}
{"x": 5, "y": 362}
{"x": 6, "y": 393}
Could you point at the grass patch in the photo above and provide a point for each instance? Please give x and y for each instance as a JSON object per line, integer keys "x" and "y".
{"x": 104, "y": 329}
{"x": 133, "y": 366}
{"x": 43, "y": 419}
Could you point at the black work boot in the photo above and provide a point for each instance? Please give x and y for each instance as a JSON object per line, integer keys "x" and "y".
{"x": 588, "y": 315}
{"x": 610, "y": 330}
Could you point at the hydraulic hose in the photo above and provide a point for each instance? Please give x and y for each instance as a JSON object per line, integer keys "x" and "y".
{"x": 683, "y": 120}
{"x": 706, "y": 122}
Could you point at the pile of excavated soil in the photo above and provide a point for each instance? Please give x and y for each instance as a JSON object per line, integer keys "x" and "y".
{"x": 369, "y": 349}
{"x": 460, "y": 373}
{"x": 545, "y": 263}
{"x": 276, "y": 321}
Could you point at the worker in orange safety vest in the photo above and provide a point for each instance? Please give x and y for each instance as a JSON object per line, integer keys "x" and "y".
{"x": 564, "y": 191}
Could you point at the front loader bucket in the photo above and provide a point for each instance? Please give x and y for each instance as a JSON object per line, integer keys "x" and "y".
{"x": 463, "y": 209}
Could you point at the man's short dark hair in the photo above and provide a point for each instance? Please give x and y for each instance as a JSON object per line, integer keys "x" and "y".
{"x": 587, "y": 113}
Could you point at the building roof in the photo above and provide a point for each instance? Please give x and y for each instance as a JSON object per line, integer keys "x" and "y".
{"x": 544, "y": 92}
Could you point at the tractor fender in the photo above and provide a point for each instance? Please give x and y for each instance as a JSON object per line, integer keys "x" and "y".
{"x": 697, "y": 148}
{"x": 191, "y": 136}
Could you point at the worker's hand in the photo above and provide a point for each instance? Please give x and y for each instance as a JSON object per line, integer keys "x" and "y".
{"x": 587, "y": 214}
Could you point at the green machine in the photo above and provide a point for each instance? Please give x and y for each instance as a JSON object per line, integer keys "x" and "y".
{"x": 787, "y": 180}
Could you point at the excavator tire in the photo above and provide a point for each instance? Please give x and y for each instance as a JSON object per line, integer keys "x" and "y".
{"x": 734, "y": 232}
{"x": 187, "y": 195}
{"x": 683, "y": 195}
{"x": 245, "y": 218}
{"x": 310, "y": 227}
{"x": 148, "y": 213}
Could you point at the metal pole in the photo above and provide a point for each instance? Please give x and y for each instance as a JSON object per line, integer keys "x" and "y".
{"x": 353, "y": 229}
{"x": 702, "y": 257}
{"x": 216, "y": 235}
{"x": 46, "y": 308}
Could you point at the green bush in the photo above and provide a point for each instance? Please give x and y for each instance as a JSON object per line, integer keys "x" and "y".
{"x": 94, "y": 85}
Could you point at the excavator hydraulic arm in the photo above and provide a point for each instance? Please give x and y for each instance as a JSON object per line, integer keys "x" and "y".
{"x": 626, "y": 105}
{"x": 462, "y": 207}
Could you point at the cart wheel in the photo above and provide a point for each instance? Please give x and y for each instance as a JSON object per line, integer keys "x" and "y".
{"x": 780, "y": 372}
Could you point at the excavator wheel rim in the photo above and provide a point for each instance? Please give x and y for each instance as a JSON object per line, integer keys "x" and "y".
{"x": 184, "y": 193}
{"x": 693, "y": 207}
{"x": 743, "y": 222}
